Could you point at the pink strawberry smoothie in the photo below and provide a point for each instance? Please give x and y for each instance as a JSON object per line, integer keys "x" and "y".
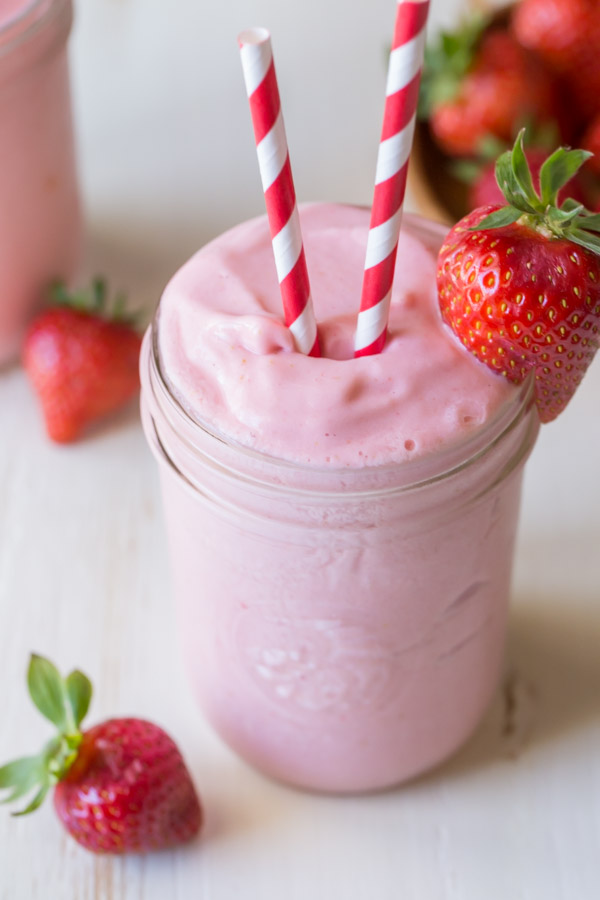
{"x": 40, "y": 219}
{"x": 11, "y": 9}
{"x": 231, "y": 359}
{"x": 341, "y": 529}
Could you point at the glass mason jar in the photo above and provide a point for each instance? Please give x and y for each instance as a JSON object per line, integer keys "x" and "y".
{"x": 40, "y": 221}
{"x": 343, "y": 628}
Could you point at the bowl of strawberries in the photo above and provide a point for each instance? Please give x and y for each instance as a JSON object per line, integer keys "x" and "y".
{"x": 532, "y": 64}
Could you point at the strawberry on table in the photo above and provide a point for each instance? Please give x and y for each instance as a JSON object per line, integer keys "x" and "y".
{"x": 479, "y": 82}
{"x": 121, "y": 787}
{"x": 519, "y": 284}
{"x": 82, "y": 359}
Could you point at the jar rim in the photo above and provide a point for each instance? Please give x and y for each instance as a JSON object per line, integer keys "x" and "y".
{"x": 30, "y": 21}
{"x": 443, "y": 463}
{"x": 483, "y": 441}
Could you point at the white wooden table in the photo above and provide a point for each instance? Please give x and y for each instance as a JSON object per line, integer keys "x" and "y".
{"x": 84, "y": 578}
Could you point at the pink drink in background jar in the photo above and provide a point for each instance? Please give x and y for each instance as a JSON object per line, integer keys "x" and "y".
{"x": 341, "y": 530}
{"x": 40, "y": 223}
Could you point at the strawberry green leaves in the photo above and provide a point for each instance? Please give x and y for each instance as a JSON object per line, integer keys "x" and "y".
{"x": 558, "y": 169}
{"x": 24, "y": 775}
{"x": 500, "y": 218}
{"x": 64, "y": 702}
{"x": 46, "y": 689}
{"x": 519, "y": 174}
{"x": 584, "y": 239}
{"x": 95, "y": 300}
{"x": 79, "y": 692}
{"x": 541, "y": 211}
{"x": 21, "y": 776}
{"x": 514, "y": 180}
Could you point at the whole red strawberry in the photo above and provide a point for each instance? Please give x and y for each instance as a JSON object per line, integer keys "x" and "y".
{"x": 83, "y": 364}
{"x": 478, "y": 83}
{"x": 566, "y": 34}
{"x": 121, "y": 787}
{"x": 520, "y": 284}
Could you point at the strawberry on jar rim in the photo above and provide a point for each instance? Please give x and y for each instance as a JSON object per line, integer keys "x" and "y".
{"x": 119, "y": 787}
{"x": 519, "y": 284}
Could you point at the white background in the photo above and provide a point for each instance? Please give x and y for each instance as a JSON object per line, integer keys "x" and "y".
{"x": 166, "y": 144}
{"x": 167, "y": 161}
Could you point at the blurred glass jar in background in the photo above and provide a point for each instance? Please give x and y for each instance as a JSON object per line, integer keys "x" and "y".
{"x": 40, "y": 217}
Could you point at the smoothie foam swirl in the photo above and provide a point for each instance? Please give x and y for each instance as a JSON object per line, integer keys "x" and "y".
{"x": 231, "y": 361}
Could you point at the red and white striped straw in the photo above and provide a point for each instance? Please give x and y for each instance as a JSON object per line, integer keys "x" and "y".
{"x": 402, "y": 92}
{"x": 278, "y": 187}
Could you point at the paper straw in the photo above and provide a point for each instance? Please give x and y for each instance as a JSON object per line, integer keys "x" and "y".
{"x": 402, "y": 91}
{"x": 278, "y": 187}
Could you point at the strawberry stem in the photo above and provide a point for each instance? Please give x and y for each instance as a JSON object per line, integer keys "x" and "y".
{"x": 94, "y": 300}
{"x": 540, "y": 211}
{"x": 64, "y": 702}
